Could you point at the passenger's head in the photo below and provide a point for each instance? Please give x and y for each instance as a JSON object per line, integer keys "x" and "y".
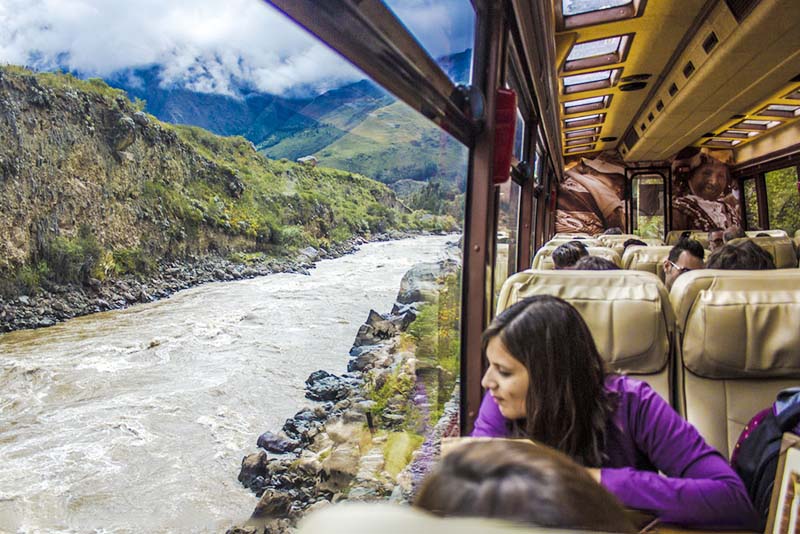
{"x": 546, "y": 376}
{"x": 686, "y": 256}
{"x": 734, "y": 232}
{"x": 614, "y": 230}
{"x": 702, "y": 175}
{"x": 633, "y": 241}
{"x": 595, "y": 263}
{"x": 715, "y": 238}
{"x": 567, "y": 254}
{"x": 762, "y": 234}
{"x": 522, "y": 482}
{"x": 741, "y": 256}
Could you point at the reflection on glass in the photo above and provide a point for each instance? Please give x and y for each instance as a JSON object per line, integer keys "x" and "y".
{"x": 507, "y": 224}
{"x": 647, "y": 206}
{"x": 783, "y": 200}
{"x": 594, "y": 48}
{"x": 576, "y": 7}
{"x": 751, "y": 204}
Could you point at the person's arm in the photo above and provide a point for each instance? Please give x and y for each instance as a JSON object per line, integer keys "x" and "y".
{"x": 698, "y": 488}
{"x": 490, "y": 422}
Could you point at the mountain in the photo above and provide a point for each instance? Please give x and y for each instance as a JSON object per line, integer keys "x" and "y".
{"x": 358, "y": 127}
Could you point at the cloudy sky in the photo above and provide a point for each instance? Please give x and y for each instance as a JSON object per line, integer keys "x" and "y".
{"x": 205, "y": 45}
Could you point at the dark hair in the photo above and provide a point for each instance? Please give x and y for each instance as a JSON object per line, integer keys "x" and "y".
{"x": 566, "y": 254}
{"x": 567, "y": 405}
{"x": 689, "y": 245}
{"x": 595, "y": 263}
{"x": 520, "y": 481}
{"x": 633, "y": 241}
{"x": 614, "y": 230}
{"x": 734, "y": 232}
{"x": 763, "y": 234}
{"x": 742, "y": 256}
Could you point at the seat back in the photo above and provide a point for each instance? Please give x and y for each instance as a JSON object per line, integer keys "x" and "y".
{"x": 628, "y": 313}
{"x": 570, "y": 235}
{"x": 556, "y": 241}
{"x": 771, "y": 233}
{"x": 543, "y": 260}
{"x": 738, "y": 344}
{"x": 648, "y": 259}
{"x": 780, "y": 248}
{"x": 698, "y": 235}
{"x": 619, "y": 246}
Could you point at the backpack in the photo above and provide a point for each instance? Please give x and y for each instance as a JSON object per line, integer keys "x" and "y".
{"x": 756, "y": 459}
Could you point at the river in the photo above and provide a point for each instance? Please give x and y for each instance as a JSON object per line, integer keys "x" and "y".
{"x": 137, "y": 420}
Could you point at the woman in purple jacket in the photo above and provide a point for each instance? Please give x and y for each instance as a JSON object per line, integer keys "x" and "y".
{"x": 547, "y": 382}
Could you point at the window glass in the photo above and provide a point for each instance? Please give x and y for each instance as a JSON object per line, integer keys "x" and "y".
{"x": 587, "y": 78}
{"x": 507, "y": 224}
{"x": 647, "y": 206}
{"x": 445, "y": 28}
{"x": 783, "y": 200}
{"x": 584, "y": 102}
{"x": 751, "y": 204}
{"x": 576, "y": 7}
{"x": 594, "y": 48}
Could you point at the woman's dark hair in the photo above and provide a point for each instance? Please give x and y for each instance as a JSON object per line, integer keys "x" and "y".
{"x": 745, "y": 256}
{"x": 567, "y": 254}
{"x": 595, "y": 263}
{"x": 567, "y": 405}
{"x": 632, "y": 241}
{"x": 523, "y": 482}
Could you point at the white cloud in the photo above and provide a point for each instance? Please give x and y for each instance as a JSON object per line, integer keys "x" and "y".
{"x": 206, "y": 45}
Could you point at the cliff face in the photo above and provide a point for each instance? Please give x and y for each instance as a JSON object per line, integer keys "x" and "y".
{"x": 90, "y": 186}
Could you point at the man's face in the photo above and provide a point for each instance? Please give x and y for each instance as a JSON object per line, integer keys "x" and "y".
{"x": 686, "y": 262}
{"x": 715, "y": 240}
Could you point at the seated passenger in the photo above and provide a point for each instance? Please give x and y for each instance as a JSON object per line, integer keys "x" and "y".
{"x": 566, "y": 255}
{"x": 715, "y": 238}
{"x": 685, "y": 256}
{"x": 734, "y": 232}
{"x": 630, "y": 242}
{"x": 522, "y": 482}
{"x": 595, "y": 263}
{"x": 744, "y": 256}
{"x": 614, "y": 230}
{"x": 547, "y": 382}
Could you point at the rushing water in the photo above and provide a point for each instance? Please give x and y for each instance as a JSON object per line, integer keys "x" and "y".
{"x": 137, "y": 420}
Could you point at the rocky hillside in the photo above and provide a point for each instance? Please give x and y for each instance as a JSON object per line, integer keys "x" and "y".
{"x": 92, "y": 188}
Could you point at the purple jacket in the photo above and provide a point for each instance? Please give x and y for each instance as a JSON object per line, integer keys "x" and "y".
{"x": 645, "y": 435}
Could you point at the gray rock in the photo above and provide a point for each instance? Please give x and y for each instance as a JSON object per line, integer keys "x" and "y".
{"x": 276, "y": 443}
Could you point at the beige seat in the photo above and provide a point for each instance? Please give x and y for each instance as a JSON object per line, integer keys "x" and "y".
{"x": 780, "y": 248}
{"x": 738, "y": 344}
{"x": 570, "y": 235}
{"x": 628, "y": 313}
{"x": 561, "y": 240}
{"x": 611, "y": 240}
{"x": 544, "y": 256}
{"x": 648, "y": 259}
{"x": 618, "y": 246}
{"x": 698, "y": 235}
{"x": 771, "y": 233}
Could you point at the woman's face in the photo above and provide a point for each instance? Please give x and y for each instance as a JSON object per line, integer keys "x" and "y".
{"x": 709, "y": 180}
{"x": 506, "y": 379}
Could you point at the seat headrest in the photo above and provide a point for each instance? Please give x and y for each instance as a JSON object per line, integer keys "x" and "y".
{"x": 556, "y": 241}
{"x": 649, "y": 259}
{"x": 698, "y": 235}
{"x": 739, "y": 324}
{"x": 771, "y": 233}
{"x": 570, "y": 235}
{"x": 544, "y": 256}
{"x": 628, "y": 312}
{"x": 780, "y": 248}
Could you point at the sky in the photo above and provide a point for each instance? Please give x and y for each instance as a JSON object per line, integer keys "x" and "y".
{"x": 212, "y": 46}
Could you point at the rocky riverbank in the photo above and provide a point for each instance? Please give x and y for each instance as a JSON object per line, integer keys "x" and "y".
{"x": 376, "y": 428}
{"x": 54, "y": 303}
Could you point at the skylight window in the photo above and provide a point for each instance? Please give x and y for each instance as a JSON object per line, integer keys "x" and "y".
{"x": 727, "y": 143}
{"x": 580, "y": 149}
{"x": 586, "y": 104}
{"x": 585, "y": 132}
{"x": 598, "y": 53}
{"x": 577, "y": 142}
{"x": 781, "y": 110}
{"x": 591, "y": 80}
{"x": 577, "y": 7}
{"x": 794, "y": 95}
{"x": 753, "y": 124}
{"x": 586, "y": 120}
{"x": 579, "y": 13}
{"x": 738, "y": 134}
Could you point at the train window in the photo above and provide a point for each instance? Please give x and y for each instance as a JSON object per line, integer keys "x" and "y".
{"x": 445, "y": 28}
{"x": 576, "y": 142}
{"x": 647, "y": 206}
{"x": 584, "y": 132}
{"x": 591, "y": 80}
{"x": 722, "y": 143}
{"x": 752, "y": 124}
{"x": 586, "y": 104}
{"x": 783, "y": 200}
{"x": 738, "y": 134}
{"x": 576, "y": 7}
{"x": 780, "y": 110}
{"x": 598, "y": 53}
{"x": 586, "y": 120}
{"x": 575, "y": 150}
{"x": 794, "y": 95}
{"x": 751, "y": 203}
{"x": 578, "y": 13}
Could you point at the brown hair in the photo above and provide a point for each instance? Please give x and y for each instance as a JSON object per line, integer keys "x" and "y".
{"x": 520, "y": 481}
{"x": 741, "y": 256}
{"x": 595, "y": 263}
{"x": 567, "y": 406}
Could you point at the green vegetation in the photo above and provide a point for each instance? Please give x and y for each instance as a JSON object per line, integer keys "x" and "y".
{"x": 783, "y": 200}
{"x": 399, "y": 448}
{"x": 397, "y": 383}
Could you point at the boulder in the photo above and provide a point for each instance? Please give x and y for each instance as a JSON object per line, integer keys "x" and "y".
{"x": 276, "y": 443}
{"x": 273, "y": 504}
{"x": 123, "y": 134}
{"x": 340, "y": 468}
{"x": 324, "y": 386}
{"x": 253, "y": 466}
